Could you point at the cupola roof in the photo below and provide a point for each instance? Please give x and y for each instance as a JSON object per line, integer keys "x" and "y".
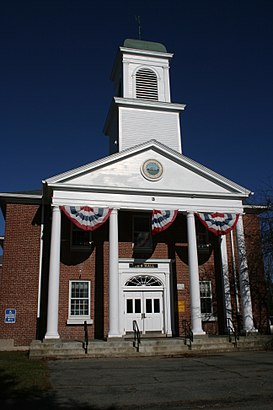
{"x": 144, "y": 45}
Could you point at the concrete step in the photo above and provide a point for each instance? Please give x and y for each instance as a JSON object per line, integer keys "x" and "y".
{"x": 148, "y": 347}
{"x": 39, "y": 349}
{"x": 222, "y": 343}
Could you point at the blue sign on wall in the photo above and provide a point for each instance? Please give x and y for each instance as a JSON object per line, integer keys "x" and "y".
{"x": 10, "y": 315}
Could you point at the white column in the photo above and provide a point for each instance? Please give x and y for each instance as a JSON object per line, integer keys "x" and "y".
{"x": 244, "y": 278}
{"x": 234, "y": 271}
{"x": 54, "y": 274}
{"x": 196, "y": 321}
{"x": 113, "y": 276}
{"x": 226, "y": 284}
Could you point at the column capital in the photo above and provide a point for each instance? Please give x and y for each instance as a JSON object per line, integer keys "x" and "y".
{"x": 114, "y": 210}
{"x": 190, "y": 214}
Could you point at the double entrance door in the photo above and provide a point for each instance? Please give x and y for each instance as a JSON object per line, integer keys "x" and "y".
{"x": 146, "y": 307}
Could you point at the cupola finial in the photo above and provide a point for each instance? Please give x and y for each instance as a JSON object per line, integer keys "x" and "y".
{"x": 139, "y": 26}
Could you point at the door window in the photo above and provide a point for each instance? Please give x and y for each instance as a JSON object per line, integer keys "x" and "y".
{"x": 156, "y": 305}
{"x": 148, "y": 305}
{"x": 152, "y": 306}
{"x": 133, "y": 305}
{"x": 137, "y": 305}
{"x": 129, "y": 306}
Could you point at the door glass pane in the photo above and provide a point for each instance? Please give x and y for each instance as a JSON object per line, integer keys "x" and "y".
{"x": 156, "y": 306}
{"x": 129, "y": 306}
{"x": 148, "y": 305}
{"x": 137, "y": 306}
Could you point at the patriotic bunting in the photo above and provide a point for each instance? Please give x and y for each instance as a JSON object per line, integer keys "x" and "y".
{"x": 218, "y": 223}
{"x": 161, "y": 220}
{"x": 87, "y": 218}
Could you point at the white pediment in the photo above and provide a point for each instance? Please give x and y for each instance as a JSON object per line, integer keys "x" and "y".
{"x": 124, "y": 172}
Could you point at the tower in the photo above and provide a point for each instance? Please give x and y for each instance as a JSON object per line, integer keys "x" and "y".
{"x": 142, "y": 109}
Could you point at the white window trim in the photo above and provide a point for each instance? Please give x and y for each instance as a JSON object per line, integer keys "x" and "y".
{"x": 77, "y": 320}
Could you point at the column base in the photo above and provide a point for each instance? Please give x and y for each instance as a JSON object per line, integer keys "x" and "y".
{"x": 114, "y": 337}
{"x": 52, "y": 337}
{"x": 199, "y": 333}
{"x": 249, "y": 332}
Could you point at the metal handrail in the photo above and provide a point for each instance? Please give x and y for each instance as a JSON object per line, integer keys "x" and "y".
{"x": 137, "y": 341}
{"x": 85, "y": 342}
{"x": 188, "y": 334}
{"x": 232, "y": 330}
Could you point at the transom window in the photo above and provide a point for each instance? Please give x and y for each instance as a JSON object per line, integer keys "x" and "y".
{"x": 146, "y": 84}
{"x": 143, "y": 280}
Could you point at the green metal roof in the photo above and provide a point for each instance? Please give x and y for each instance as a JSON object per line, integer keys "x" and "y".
{"x": 144, "y": 45}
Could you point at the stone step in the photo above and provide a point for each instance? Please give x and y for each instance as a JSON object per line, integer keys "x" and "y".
{"x": 55, "y": 349}
{"x": 148, "y": 347}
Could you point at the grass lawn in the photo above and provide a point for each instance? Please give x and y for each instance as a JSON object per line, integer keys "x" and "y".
{"x": 21, "y": 378}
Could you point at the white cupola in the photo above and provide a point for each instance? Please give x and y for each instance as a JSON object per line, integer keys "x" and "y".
{"x": 142, "y": 109}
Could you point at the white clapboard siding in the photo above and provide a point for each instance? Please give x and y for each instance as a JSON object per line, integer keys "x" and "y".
{"x": 139, "y": 126}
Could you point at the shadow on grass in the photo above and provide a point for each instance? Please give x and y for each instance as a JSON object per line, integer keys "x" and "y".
{"x": 22, "y": 387}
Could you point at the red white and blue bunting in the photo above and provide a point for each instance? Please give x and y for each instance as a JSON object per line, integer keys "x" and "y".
{"x": 86, "y": 218}
{"x": 161, "y": 220}
{"x": 218, "y": 223}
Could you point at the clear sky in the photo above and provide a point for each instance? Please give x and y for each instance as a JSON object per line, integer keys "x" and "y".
{"x": 55, "y": 89}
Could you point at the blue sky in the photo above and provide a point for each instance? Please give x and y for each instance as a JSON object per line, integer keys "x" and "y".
{"x": 56, "y": 61}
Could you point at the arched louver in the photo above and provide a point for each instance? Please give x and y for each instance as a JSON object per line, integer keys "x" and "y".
{"x": 146, "y": 84}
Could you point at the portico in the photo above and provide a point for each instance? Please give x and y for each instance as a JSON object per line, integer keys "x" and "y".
{"x": 121, "y": 271}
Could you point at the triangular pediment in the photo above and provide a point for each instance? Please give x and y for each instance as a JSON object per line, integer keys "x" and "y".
{"x": 125, "y": 171}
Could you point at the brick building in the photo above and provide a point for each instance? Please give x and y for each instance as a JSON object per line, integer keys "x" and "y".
{"x": 145, "y": 234}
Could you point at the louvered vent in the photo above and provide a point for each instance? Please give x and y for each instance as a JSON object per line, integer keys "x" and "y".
{"x": 146, "y": 84}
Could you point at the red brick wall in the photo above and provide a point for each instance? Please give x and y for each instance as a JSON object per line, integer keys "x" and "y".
{"x": 21, "y": 269}
{"x": 89, "y": 265}
{"x": 19, "y": 284}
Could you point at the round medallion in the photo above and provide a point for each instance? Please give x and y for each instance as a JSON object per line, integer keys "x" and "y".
{"x": 152, "y": 169}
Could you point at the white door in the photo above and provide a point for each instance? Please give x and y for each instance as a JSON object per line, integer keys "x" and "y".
{"x": 146, "y": 307}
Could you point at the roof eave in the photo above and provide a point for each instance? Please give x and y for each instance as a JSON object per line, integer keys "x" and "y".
{"x": 131, "y": 191}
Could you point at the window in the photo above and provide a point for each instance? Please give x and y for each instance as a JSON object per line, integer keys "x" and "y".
{"x": 79, "y": 302}
{"x": 146, "y": 84}
{"x": 80, "y": 239}
{"x": 202, "y": 235}
{"x": 206, "y": 299}
{"x": 142, "y": 238}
